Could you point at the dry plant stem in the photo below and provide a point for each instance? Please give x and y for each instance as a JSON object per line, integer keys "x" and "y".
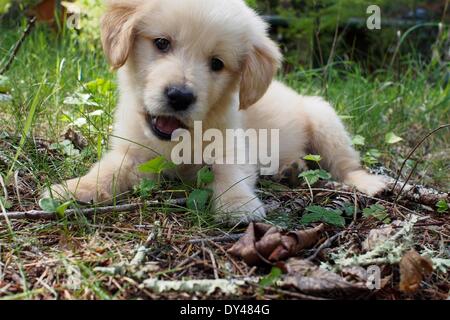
{"x": 414, "y": 150}
{"x": 18, "y": 44}
{"x": 37, "y": 215}
{"x": 406, "y": 182}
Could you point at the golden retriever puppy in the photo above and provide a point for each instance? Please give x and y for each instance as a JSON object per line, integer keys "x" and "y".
{"x": 182, "y": 61}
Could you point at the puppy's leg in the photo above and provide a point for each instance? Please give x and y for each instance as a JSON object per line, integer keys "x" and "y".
{"x": 329, "y": 138}
{"x": 113, "y": 175}
{"x": 234, "y": 197}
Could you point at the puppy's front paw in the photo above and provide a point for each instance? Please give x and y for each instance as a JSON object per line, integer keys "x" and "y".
{"x": 81, "y": 190}
{"x": 243, "y": 209}
{"x": 365, "y": 182}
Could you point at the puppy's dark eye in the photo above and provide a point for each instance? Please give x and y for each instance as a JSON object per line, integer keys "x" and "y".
{"x": 162, "y": 44}
{"x": 217, "y": 64}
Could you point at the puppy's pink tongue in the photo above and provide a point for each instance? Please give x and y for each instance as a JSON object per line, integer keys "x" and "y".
{"x": 167, "y": 125}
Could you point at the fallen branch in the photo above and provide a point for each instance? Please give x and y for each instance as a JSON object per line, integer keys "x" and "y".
{"x": 43, "y": 215}
{"x": 417, "y": 194}
{"x": 226, "y": 286}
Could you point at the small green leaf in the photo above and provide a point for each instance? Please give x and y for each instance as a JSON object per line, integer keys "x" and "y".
{"x": 312, "y": 176}
{"x": 5, "y": 203}
{"x": 271, "y": 278}
{"x": 320, "y": 214}
{"x": 101, "y": 86}
{"x": 392, "y": 138}
{"x": 378, "y": 212}
{"x": 442, "y": 206}
{"x": 61, "y": 210}
{"x": 323, "y": 174}
{"x": 371, "y": 157}
{"x": 313, "y": 157}
{"x": 5, "y": 84}
{"x": 49, "y": 205}
{"x": 204, "y": 177}
{"x": 198, "y": 199}
{"x": 358, "y": 140}
{"x": 349, "y": 210}
{"x": 156, "y": 165}
{"x": 145, "y": 188}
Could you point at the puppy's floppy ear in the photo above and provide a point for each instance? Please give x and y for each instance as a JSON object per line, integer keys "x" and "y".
{"x": 117, "y": 30}
{"x": 260, "y": 67}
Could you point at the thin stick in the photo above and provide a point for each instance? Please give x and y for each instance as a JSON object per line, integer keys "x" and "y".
{"x": 18, "y": 44}
{"x": 325, "y": 245}
{"x": 293, "y": 294}
{"x": 37, "y": 215}
{"x": 226, "y": 238}
{"x": 213, "y": 261}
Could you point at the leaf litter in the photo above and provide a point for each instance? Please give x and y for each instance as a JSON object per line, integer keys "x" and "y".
{"x": 177, "y": 263}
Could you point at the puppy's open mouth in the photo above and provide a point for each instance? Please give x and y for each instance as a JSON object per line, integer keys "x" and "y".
{"x": 164, "y": 126}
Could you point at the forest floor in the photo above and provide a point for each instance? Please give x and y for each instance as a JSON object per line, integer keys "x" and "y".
{"x": 55, "y": 121}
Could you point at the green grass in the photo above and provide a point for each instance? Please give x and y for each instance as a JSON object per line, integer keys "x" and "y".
{"x": 51, "y": 68}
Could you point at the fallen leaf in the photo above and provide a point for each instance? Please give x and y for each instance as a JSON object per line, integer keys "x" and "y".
{"x": 263, "y": 243}
{"x": 392, "y": 138}
{"x": 76, "y": 138}
{"x": 413, "y": 267}
{"x": 306, "y": 277}
{"x": 377, "y": 236}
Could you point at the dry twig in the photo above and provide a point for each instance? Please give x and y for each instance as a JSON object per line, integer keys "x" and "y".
{"x": 38, "y": 215}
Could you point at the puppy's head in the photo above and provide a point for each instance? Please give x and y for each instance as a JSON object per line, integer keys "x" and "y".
{"x": 188, "y": 58}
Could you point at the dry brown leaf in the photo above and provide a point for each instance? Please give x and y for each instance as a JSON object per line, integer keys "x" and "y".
{"x": 263, "y": 243}
{"x": 311, "y": 279}
{"x": 413, "y": 267}
{"x": 377, "y": 236}
{"x": 76, "y": 138}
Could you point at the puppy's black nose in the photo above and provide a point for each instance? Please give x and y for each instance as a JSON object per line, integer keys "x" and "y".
{"x": 180, "y": 97}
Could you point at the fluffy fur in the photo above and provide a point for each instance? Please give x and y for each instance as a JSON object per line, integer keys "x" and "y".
{"x": 243, "y": 95}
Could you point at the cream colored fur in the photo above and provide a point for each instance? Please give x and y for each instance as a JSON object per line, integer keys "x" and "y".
{"x": 241, "y": 96}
